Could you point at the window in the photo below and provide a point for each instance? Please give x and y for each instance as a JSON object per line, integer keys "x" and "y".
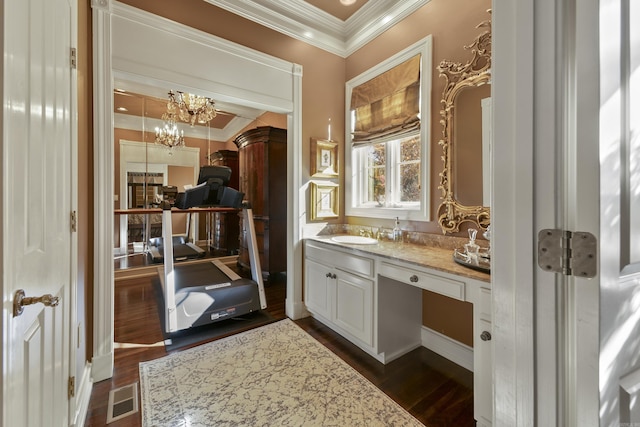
{"x": 389, "y": 173}
{"x": 387, "y": 154}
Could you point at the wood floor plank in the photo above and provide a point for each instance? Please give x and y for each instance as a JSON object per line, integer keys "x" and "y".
{"x": 436, "y": 391}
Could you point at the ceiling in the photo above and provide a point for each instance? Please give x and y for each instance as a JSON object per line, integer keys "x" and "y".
{"x": 337, "y": 8}
{"x": 327, "y": 24}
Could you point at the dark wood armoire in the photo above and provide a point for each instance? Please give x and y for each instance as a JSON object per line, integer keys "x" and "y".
{"x": 225, "y": 229}
{"x": 262, "y": 158}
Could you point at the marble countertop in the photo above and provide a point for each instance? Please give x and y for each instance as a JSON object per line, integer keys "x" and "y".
{"x": 436, "y": 258}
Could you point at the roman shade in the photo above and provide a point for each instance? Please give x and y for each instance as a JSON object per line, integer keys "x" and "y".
{"x": 388, "y": 104}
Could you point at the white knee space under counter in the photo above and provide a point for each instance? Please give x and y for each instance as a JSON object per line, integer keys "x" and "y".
{"x": 372, "y": 295}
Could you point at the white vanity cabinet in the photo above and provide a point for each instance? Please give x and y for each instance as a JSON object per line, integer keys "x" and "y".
{"x": 463, "y": 289}
{"x": 376, "y": 303}
{"x": 482, "y": 358}
{"x": 339, "y": 290}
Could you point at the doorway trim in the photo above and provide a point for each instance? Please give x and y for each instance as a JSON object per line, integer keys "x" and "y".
{"x": 122, "y": 36}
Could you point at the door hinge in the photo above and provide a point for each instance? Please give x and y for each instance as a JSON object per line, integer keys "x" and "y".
{"x": 74, "y": 221}
{"x": 74, "y": 58}
{"x": 71, "y": 389}
{"x": 570, "y": 253}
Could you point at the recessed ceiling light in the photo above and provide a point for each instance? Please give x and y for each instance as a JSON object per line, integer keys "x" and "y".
{"x": 347, "y": 2}
{"x": 121, "y": 109}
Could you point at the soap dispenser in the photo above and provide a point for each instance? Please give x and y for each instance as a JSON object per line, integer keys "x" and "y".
{"x": 397, "y": 232}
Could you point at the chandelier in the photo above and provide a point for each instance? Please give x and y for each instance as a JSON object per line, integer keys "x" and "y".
{"x": 191, "y": 108}
{"x": 169, "y": 135}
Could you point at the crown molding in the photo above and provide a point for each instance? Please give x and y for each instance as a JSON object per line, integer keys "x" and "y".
{"x": 374, "y": 19}
{"x": 305, "y": 22}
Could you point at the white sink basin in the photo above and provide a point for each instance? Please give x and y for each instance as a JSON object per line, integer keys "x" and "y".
{"x": 355, "y": 240}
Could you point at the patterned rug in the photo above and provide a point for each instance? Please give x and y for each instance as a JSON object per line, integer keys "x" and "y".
{"x": 274, "y": 375}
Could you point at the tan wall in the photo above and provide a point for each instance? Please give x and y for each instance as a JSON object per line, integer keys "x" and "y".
{"x": 267, "y": 119}
{"x": 450, "y": 22}
{"x": 448, "y": 316}
{"x": 323, "y": 73}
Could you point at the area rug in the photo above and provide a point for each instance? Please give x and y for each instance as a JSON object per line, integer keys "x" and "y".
{"x": 274, "y": 375}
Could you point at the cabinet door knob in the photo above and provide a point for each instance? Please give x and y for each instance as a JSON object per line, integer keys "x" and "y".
{"x": 333, "y": 276}
{"x": 328, "y": 275}
{"x": 413, "y": 278}
{"x": 485, "y": 336}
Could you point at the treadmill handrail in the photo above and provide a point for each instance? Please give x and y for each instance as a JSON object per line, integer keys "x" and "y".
{"x": 175, "y": 210}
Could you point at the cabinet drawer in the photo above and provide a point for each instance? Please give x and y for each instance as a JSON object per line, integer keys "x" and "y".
{"x": 342, "y": 260}
{"x": 429, "y": 282}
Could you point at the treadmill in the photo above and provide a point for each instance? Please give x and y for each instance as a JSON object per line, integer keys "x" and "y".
{"x": 182, "y": 249}
{"x": 197, "y": 294}
{"x": 210, "y": 191}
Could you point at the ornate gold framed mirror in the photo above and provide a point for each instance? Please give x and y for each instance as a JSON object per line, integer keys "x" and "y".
{"x": 462, "y": 137}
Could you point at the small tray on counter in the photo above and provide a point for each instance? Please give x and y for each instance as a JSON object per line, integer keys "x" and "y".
{"x": 483, "y": 262}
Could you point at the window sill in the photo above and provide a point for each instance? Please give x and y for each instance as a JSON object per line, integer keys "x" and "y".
{"x": 415, "y": 214}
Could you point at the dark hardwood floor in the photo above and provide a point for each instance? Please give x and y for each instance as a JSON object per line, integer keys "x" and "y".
{"x": 436, "y": 391}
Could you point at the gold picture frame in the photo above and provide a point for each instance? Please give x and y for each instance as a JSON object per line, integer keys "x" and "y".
{"x": 324, "y": 158}
{"x": 324, "y": 200}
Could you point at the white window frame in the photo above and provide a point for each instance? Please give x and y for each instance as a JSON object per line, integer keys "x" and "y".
{"x": 392, "y": 163}
{"x": 353, "y": 182}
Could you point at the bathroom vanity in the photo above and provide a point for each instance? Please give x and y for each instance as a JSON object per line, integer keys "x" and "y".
{"x": 372, "y": 295}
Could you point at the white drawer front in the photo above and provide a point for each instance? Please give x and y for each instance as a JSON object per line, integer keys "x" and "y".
{"x": 430, "y": 282}
{"x": 347, "y": 261}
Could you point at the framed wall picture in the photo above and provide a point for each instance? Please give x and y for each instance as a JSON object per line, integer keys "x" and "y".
{"x": 324, "y": 200}
{"x": 324, "y": 158}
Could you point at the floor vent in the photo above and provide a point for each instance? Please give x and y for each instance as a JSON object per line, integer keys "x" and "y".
{"x": 123, "y": 402}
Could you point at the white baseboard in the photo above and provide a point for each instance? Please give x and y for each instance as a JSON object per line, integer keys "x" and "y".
{"x": 389, "y": 357}
{"x": 295, "y": 310}
{"x": 102, "y": 367}
{"x": 83, "y": 396}
{"x": 449, "y": 348}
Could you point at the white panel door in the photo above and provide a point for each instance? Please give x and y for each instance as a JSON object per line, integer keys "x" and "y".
{"x": 619, "y": 207}
{"x": 37, "y": 177}
{"x": 566, "y": 126}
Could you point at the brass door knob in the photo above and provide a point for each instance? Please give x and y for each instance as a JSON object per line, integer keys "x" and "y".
{"x": 20, "y": 300}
